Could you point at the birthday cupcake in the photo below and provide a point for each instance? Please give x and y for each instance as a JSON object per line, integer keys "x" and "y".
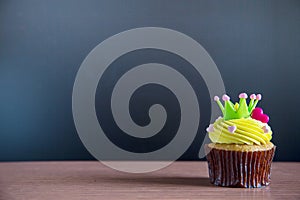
{"x": 241, "y": 153}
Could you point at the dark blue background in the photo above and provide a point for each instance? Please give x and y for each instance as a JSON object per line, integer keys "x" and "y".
{"x": 255, "y": 45}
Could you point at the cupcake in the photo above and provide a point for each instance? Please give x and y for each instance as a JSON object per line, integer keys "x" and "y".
{"x": 241, "y": 153}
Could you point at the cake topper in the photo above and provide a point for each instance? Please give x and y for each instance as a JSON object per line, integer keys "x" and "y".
{"x": 241, "y": 109}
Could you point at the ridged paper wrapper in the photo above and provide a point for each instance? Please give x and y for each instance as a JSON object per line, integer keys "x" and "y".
{"x": 246, "y": 169}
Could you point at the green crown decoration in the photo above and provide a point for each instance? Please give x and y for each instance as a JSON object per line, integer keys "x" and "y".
{"x": 237, "y": 110}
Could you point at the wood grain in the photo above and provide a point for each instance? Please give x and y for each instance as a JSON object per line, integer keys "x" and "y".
{"x": 92, "y": 180}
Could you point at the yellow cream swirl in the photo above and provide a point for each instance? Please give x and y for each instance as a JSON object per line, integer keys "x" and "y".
{"x": 248, "y": 131}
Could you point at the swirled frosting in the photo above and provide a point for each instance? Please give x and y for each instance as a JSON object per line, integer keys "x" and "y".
{"x": 245, "y": 131}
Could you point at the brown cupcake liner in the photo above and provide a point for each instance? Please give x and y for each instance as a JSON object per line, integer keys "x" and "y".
{"x": 250, "y": 169}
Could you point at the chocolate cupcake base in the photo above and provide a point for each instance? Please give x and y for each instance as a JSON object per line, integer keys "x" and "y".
{"x": 250, "y": 168}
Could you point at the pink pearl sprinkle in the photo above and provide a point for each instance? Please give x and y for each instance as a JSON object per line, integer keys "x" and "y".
{"x": 258, "y": 97}
{"x": 216, "y": 98}
{"x": 252, "y": 96}
{"x": 243, "y": 96}
{"x": 225, "y": 97}
{"x": 266, "y": 129}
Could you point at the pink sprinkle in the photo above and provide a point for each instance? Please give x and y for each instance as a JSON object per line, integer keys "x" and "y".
{"x": 243, "y": 96}
{"x": 216, "y": 98}
{"x": 225, "y": 97}
{"x": 232, "y": 129}
{"x": 258, "y": 97}
{"x": 265, "y": 129}
{"x": 210, "y": 128}
{"x": 252, "y": 96}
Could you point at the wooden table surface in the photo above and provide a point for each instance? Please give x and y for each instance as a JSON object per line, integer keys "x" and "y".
{"x": 92, "y": 180}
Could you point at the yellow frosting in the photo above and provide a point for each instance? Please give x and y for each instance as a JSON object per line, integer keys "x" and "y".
{"x": 248, "y": 131}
